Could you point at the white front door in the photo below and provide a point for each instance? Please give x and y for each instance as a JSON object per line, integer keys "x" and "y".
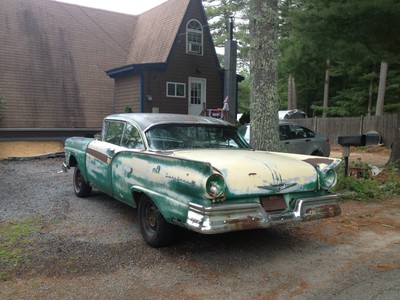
{"x": 197, "y": 95}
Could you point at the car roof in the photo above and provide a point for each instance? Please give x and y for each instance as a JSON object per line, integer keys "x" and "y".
{"x": 291, "y": 114}
{"x": 146, "y": 120}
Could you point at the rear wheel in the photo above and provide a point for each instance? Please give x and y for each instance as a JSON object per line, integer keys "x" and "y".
{"x": 155, "y": 230}
{"x": 81, "y": 188}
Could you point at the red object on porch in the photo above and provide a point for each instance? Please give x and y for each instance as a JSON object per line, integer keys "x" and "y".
{"x": 215, "y": 113}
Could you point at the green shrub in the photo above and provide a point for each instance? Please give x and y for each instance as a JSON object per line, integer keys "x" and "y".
{"x": 368, "y": 187}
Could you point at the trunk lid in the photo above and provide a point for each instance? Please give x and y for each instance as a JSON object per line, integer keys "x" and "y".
{"x": 258, "y": 172}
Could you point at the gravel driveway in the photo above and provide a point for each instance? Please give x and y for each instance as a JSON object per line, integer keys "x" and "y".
{"x": 92, "y": 248}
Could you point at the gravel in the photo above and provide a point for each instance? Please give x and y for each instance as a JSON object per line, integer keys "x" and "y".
{"x": 92, "y": 248}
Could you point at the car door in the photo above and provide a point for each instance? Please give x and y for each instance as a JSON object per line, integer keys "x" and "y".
{"x": 100, "y": 154}
{"x": 128, "y": 166}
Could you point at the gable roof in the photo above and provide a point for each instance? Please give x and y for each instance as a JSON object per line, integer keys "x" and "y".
{"x": 155, "y": 32}
{"x": 53, "y": 56}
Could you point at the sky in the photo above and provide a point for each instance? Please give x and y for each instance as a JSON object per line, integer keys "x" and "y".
{"x": 133, "y": 7}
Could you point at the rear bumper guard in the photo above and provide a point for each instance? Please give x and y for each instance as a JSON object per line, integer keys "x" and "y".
{"x": 65, "y": 167}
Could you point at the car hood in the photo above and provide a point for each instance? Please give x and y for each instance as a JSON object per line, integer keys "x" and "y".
{"x": 260, "y": 172}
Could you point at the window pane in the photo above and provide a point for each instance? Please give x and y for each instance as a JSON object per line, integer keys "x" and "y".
{"x": 195, "y": 95}
{"x": 132, "y": 138}
{"x": 194, "y": 37}
{"x": 176, "y": 136}
{"x": 114, "y": 132}
{"x": 180, "y": 90}
{"x": 171, "y": 89}
{"x": 195, "y": 25}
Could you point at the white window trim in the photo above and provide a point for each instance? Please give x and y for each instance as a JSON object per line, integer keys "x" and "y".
{"x": 189, "y": 44}
{"x": 176, "y": 84}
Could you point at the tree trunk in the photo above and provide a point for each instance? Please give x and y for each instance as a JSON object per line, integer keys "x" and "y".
{"x": 371, "y": 87}
{"x": 395, "y": 153}
{"x": 326, "y": 89}
{"x": 292, "y": 94}
{"x": 264, "y": 102}
{"x": 381, "y": 90}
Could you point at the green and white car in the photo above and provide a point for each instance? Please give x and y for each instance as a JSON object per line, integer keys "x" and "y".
{"x": 198, "y": 173}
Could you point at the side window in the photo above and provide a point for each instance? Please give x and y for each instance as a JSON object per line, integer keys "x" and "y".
{"x": 309, "y": 133}
{"x": 299, "y": 132}
{"x": 287, "y": 132}
{"x": 194, "y": 37}
{"x": 132, "y": 138}
{"x": 113, "y": 132}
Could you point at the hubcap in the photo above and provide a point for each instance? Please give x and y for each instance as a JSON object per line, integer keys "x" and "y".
{"x": 78, "y": 180}
{"x": 152, "y": 217}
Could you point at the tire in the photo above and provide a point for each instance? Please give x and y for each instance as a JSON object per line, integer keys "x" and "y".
{"x": 155, "y": 230}
{"x": 81, "y": 188}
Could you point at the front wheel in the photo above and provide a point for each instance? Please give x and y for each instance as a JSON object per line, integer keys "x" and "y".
{"x": 155, "y": 230}
{"x": 81, "y": 188}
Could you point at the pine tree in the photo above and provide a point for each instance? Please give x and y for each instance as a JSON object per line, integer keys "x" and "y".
{"x": 263, "y": 69}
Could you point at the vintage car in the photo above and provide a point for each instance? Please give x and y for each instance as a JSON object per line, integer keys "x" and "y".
{"x": 198, "y": 173}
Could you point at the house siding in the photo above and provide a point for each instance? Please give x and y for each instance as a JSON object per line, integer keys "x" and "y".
{"x": 127, "y": 93}
{"x": 52, "y": 61}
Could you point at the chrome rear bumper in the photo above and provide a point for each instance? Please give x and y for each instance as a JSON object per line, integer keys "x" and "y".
{"x": 65, "y": 167}
{"x": 224, "y": 218}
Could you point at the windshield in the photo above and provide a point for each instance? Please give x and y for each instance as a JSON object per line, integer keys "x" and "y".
{"x": 177, "y": 136}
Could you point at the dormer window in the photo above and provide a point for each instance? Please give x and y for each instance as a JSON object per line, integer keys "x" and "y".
{"x": 194, "y": 37}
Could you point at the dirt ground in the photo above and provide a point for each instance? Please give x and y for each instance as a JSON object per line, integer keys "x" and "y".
{"x": 92, "y": 248}
{"x": 374, "y": 155}
{"x": 31, "y": 148}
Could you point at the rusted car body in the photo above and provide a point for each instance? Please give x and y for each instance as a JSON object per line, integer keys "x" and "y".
{"x": 200, "y": 174}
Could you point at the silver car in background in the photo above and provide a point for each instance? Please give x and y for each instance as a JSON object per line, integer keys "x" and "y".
{"x": 297, "y": 139}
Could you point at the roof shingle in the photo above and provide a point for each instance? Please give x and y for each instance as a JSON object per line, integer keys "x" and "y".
{"x": 155, "y": 32}
{"x": 53, "y": 57}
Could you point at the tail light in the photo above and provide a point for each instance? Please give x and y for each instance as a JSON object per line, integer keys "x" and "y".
{"x": 215, "y": 186}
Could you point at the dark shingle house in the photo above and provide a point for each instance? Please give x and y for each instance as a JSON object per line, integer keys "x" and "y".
{"x": 64, "y": 67}
{"x": 172, "y": 65}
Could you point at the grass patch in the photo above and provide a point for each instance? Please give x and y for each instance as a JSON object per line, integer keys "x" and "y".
{"x": 15, "y": 244}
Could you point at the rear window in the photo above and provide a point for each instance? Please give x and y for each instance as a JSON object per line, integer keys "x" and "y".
{"x": 168, "y": 137}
